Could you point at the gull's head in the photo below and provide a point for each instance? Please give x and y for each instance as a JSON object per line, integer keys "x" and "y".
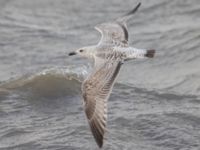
{"x": 85, "y": 52}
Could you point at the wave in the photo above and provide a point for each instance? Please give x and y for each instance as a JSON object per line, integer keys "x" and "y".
{"x": 49, "y": 82}
{"x": 66, "y": 81}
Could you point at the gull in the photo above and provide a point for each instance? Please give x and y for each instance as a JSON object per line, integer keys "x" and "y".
{"x": 108, "y": 56}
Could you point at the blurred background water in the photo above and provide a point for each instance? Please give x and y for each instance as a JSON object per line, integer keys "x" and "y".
{"x": 155, "y": 104}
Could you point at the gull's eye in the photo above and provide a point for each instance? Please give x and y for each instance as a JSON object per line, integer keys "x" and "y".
{"x": 81, "y": 50}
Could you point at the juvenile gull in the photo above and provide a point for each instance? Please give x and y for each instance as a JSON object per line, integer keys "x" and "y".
{"x": 108, "y": 55}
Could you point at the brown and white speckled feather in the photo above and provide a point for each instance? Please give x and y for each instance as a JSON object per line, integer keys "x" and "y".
{"x": 96, "y": 90}
{"x": 108, "y": 55}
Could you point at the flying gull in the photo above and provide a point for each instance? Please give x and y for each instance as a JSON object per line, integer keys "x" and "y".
{"x": 108, "y": 55}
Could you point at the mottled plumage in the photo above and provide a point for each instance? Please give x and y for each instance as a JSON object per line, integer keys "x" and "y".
{"x": 108, "y": 55}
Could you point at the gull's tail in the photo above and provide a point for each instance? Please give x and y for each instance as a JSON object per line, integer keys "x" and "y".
{"x": 150, "y": 53}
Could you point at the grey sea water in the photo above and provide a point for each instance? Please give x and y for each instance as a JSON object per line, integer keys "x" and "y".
{"x": 155, "y": 104}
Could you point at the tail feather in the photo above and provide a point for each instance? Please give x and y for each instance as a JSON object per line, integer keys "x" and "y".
{"x": 150, "y": 53}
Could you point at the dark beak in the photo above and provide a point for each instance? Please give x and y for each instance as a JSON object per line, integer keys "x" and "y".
{"x": 72, "y": 53}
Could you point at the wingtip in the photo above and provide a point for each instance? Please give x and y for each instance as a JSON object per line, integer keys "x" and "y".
{"x": 100, "y": 144}
{"x": 99, "y": 141}
{"x": 127, "y": 16}
{"x": 97, "y": 133}
{"x": 135, "y": 8}
{"x": 138, "y": 5}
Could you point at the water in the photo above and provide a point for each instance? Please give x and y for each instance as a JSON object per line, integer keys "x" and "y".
{"x": 155, "y": 104}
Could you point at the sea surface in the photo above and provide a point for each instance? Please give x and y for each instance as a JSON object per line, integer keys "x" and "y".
{"x": 155, "y": 103}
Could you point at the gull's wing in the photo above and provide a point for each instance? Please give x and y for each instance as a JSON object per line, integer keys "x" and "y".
{"x": 116, "y": 33}
{"x": 96, "y": 90}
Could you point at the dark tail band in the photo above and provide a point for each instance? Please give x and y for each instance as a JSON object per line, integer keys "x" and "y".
{"x": 150, "y": 53}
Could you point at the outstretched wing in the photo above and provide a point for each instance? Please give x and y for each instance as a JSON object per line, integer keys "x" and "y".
{"x": 96, "y": 90}
{"x": 116, "y": 33}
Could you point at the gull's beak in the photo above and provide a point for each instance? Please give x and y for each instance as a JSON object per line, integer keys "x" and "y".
{"x": 72, "y": 53}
